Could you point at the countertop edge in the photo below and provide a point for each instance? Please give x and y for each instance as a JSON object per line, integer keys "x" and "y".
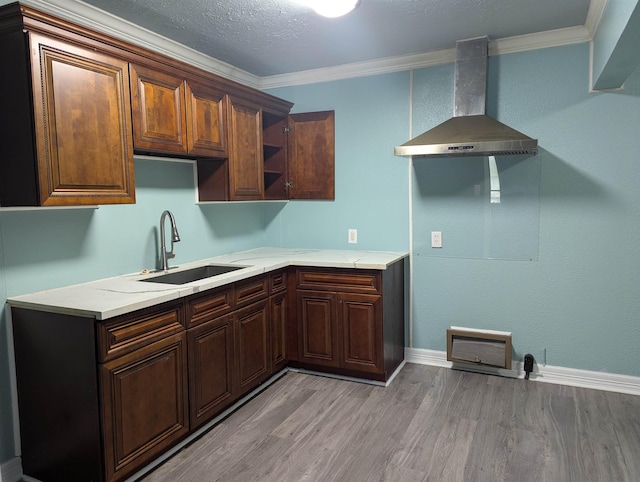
{"x": 104, "y": 299}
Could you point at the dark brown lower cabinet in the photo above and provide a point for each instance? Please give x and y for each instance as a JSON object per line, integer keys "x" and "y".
{"x": 341, "y": 330}
{"x": 278, "y": 322}
{"x": 99, "y": 400}
{"x": 229, "y": 341}
{"x": 318, "y": 322}
{"x": 252, "y": 330}
{"x": 144, "y": 404}
{"x": 361, "y": 333}
{"x": 350, "y": 321}
{"x": 211, "y": 369}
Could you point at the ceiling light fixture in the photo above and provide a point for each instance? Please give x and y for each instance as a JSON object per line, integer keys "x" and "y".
{"x": 331, "y": 8}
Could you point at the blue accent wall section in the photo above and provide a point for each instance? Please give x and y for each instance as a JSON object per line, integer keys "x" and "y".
{"x": 372, "y": 116}
{"x": 48, "y": 248}
{"x": 579, "y": 301}
{"x": 615, "y": 44}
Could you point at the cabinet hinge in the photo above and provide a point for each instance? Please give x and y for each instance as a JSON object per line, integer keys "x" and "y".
{"x": 286, "y": 129}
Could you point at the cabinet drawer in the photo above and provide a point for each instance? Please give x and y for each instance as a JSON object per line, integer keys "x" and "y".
{"x": 251, "y": 290}
{"x": 209, "y": 305}
{"x": 129, "y": 332}
{"x": 278, "y": 282}
{"x": 344, "y": 280}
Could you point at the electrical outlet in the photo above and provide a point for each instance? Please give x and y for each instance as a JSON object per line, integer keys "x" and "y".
{"x": 436, "y": 239}
{"x": 353, "y": 236}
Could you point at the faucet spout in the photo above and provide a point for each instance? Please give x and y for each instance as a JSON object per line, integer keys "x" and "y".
{"x": 165, "y": 255}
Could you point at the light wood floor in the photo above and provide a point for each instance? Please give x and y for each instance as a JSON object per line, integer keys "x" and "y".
{"x": 431, "y": 423}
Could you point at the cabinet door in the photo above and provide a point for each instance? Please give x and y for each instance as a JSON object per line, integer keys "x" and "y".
{"x": 159, "y": 115}
{"x": 318, "y": 329}
{"x": 252, "y": 345}
{"x": 278, "y": 332}
{"x": 211, "y": 369}
{"x": 311, "y": 155}
{"x": 246, "y": 179}
{"x": 361, "y": 320}
{"x": 82, "y": 124}
{"x": 206, "y": 120}
{"x": 144, "y": 404}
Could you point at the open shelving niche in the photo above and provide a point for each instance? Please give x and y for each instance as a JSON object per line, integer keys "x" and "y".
{"x": 274, "y": 151}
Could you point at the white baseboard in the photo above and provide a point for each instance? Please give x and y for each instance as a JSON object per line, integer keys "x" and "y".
{"x": 549, "y": 374}
{"x": 11, "y": 471}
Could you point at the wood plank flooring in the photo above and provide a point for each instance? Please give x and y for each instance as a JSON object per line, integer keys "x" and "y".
{"x": 430, "y": 424}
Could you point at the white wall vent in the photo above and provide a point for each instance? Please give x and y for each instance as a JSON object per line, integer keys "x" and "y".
{"x": 479, "y": 347}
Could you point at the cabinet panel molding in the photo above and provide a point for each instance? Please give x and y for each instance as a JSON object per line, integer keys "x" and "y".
{"x": 159, "y": 115}
{"x": 206, "y": 120}
{"x": 350, "y": 280}
{"x": 144, "y": 404}
{"x": 349, "y": 321}
{"x": 245, "y": 157}
{"x": 311, "y": 155}
{"x": 361, "y": 332}
{"x": 252, "y": 331}
{"x": 253, "y": 289}
{"x": 278, "y": 332}
{"x": 318, "y": 328}
{"x": 210, "y": 304}
{"x": 211, "y": 369}
{"x": 123, "y": 334}
{"x": 80, "y": 125}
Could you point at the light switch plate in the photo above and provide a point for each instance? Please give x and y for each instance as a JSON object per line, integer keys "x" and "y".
{"x": 353, "y": 236}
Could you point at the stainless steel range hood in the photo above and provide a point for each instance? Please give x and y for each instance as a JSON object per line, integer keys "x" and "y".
{"x": 470, "y": 132}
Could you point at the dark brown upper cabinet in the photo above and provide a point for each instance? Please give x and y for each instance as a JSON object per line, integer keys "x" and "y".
{"x": 274, "y": 155}
{"x": 206, "y": 120}
{"x": 299, "y": 155}
{"x": 65, "y": 122}
{"x": 175, "y": 116}
{"x": 77, "y": 104}
{"x": 311, "y": 155}
{"x": 245, "y": 159}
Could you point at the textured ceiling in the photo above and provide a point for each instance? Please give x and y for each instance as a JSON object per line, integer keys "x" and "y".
{"x": 269, "y": 37}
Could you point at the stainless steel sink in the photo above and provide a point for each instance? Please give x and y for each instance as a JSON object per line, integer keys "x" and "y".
{"x": 194, "y": 274}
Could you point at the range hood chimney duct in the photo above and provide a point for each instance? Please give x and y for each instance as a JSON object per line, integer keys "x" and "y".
{"x": 470, "y": 132}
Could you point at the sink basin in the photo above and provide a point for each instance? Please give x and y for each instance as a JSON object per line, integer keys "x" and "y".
{"x": 194, "y": 274}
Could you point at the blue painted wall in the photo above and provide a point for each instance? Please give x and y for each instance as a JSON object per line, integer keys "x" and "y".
{"x": 566, "y": 275}
{"x": 579, "y": 299}
{"x": 613, "y": 57}
{"x": 371, "y": 115}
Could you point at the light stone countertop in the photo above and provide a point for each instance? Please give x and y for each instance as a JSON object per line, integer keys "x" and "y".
{"x": 106, "y": 298}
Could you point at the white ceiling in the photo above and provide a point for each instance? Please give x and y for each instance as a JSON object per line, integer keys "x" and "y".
{"x": 273, "y": 37}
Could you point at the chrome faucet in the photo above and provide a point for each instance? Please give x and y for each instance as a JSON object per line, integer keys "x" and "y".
{"x": 175, "y": 237}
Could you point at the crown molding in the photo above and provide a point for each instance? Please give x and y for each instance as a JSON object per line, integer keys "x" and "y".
{"x": 539, "y": 40}
{"x": 104, "y": 22}
{"x": 92, "y": 17}
{"x": 594, "y": 16}
{"x": 360, "y": 69}
{"x": 520, "y": 43}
